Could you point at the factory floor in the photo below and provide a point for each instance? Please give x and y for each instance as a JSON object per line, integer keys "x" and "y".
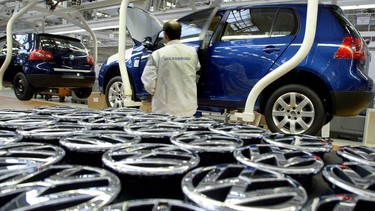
{"x": 316, "y": 188}
{"x": 9, "y": 101}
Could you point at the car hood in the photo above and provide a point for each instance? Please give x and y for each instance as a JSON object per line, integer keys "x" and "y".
{"x": 141, "y": 24}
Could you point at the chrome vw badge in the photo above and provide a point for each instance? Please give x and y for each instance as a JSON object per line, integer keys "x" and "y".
{"x": 7, "y": 137}
{"x": 360, "y": 154}
{"x": 301, "y": 142}
{"x": 153, "y": 204}
{"x": 206, "y": 141}
{"x": 150, "y": 159}
{"x": 23, "y": 155}
{"x": 352, "y": 177}
{"x": 280, "y": 159}
{"x": 62, "y": 187}
{"x": 240, "y": 187}
{"x": 348, "y": 202}
{"x": 71, "y": 57}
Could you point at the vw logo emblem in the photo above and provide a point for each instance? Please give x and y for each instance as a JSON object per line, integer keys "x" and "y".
{"x": 71, "y": 57}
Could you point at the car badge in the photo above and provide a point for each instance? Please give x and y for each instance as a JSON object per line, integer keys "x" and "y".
{"x": 71, "y": 57}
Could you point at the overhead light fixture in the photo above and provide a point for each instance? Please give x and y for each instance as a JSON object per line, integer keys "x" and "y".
{"x": 82, "y": 30}
{"x": 355, "y": 7}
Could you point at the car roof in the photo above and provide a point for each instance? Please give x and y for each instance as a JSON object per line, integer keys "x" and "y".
{"x": 49, "y": 35}
{"x": 58, "y": 36}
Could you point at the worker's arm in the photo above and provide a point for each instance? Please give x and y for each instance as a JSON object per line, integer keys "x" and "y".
{"x": 149, "y": 75}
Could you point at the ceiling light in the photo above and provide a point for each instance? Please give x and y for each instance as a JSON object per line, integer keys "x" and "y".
{"x": 355, "y": 7}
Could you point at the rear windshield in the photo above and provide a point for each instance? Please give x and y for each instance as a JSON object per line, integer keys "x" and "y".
{"x": 61, "y": 45}
{"x": 345, "y": 23}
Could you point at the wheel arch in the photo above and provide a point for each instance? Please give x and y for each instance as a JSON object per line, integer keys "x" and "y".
{"x": 301, "y": 77}
{"x": 113, "y": 72}
{"x": 10, "y": 73}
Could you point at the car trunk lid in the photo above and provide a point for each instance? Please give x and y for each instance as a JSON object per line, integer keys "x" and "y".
{"x": 63, "y": 53}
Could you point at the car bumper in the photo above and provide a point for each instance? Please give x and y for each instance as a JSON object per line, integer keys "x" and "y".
{"x": 351, "y": 103}
{"x": 67, "y": 81}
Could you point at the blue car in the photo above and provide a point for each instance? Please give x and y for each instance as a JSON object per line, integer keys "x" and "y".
{"x": 238, "y": 46}
{"x": 41, "y": 61}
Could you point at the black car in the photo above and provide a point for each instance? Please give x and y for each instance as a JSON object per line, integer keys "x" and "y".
{"x": 41, "y": 61}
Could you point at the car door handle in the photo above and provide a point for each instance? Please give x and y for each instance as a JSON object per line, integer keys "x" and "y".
{"x": 270, "y": 49}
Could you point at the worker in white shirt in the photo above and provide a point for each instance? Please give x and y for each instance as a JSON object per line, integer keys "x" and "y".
{"x": 170, "y": 75}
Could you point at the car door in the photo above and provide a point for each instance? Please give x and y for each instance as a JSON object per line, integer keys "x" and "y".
{"x": 249, "y": 44}
{"x": 197, "y": 30}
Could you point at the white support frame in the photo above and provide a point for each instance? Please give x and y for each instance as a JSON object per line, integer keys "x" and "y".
{"x": 128, "y": 91}
{"x": 369, "y": 132}
{"x": 310, "y": 30}
{"x": 9, "y": 31}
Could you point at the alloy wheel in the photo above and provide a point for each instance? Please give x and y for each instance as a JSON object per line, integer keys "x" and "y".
{"x": 116, "y": 95}
{"x": 293, "y": 113}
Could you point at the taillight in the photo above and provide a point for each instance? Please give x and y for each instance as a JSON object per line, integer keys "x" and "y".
{"x": 344, "y": 197}
{"x": 351, "y": 48}
{"x": 90, "y": 60}
{"x": 41, "y": 55}
{"x": 343, "y": 167}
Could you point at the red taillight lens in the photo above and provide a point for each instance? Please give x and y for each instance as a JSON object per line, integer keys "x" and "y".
{"x": 317, "y": 157}
{"x": 90, "y": 60}
{"x": 344, "y": 197}
{"x": 343, "y": 166}
{"x": 41, "y": 55}
{"x": 351, "y": 48}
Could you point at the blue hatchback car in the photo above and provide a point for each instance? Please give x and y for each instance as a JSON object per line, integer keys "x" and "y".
{"x": 238, "y": 46}
{"x": 41, "y": 61}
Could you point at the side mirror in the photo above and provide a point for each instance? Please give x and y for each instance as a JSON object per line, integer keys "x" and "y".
{"x": 147, "y": 43}
{"x": 367, "y": 41}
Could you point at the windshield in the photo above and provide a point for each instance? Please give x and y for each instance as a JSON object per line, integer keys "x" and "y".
{"x": 60, "y": 44}
{"x": 193, "y": 24}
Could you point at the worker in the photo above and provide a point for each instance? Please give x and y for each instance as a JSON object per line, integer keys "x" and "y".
{"x": 170, "y": 75}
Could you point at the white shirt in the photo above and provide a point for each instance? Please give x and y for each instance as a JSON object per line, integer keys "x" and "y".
{"x": 170, "y": 76}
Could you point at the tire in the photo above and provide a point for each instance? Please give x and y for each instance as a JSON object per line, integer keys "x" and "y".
{"x": 22, "y": 89}
{"x": 114, "y": 93}
{"x": 306, "y": 115}
{"x": 83, "y": 92}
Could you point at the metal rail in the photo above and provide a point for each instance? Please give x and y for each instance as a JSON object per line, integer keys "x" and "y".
{"x": 310, "y": 30}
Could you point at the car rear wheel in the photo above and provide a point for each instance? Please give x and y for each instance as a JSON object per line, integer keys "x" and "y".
{"x": 22, "y": 89}
{"x": 83, "y": 92}
{"x": 295, "y": 109}
{"x": 114, "y": 92}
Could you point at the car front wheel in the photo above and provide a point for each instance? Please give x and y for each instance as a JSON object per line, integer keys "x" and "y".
{"x": 114, "y": 92}
{"x": 22, "y": 89}
{"x": 295, "y": 109}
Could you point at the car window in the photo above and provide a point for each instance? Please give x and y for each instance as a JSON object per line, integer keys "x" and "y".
{"x": 259, "y": 23}
{"x": 192, "y": 25}
{"x": 3, "y": 49}
{"x": 345, "y": 24}
{"x": 3, "y": 46}
{"x": 61, "y": 45}
{"x": 285, "y": 24}
{"x": 21, "y": 42}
